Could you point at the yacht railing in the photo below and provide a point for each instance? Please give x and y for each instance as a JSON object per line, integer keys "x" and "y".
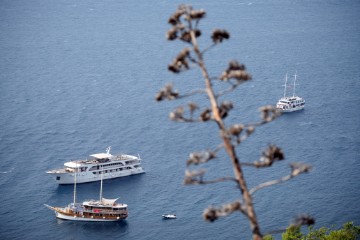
{"x": 105, "y": 211}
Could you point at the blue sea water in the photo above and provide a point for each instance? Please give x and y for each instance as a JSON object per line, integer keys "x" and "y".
{"x": 78, "y": 76}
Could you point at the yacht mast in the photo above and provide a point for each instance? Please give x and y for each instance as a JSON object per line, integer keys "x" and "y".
{"x": 102, "y": 172}
{"x": 285, "y": 85}
{"x": 101, "y": 186}
{"x": 294, "y": 84}
{"x": 74, "y": 186}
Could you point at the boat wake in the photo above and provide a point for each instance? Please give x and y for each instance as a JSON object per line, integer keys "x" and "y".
{"x": 7, "y": 171}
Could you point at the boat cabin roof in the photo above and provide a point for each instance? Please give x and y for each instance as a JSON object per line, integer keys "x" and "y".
{"x": 290, "y": 99}
{"x": 72, "y": 164}
{"x": 104, "y": 203}
{"x": 101, "y": 155}
{"x": 98, "y": 157}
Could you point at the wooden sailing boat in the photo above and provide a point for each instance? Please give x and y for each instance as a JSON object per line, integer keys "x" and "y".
{"x": 102, "y": 210}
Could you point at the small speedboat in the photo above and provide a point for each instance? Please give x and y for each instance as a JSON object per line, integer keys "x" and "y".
{"x": 169, "y": 216}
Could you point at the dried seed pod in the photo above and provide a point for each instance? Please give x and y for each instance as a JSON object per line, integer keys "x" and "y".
{"x": 269, "y": 113}
{"x": 269, "y": 156}
{"x": 236, "y": 71}
{"x": 175, "y": 18}
{"x": 186, "y": 37}
{"x": 205, "y": 115}
{"x": 219, "y": 35}
{"x": 236, "y": 129}
{"x": 304, "y": 220}
{"x": 200, "y": 157}
{"x": 192, "y": 107}
{"x": 250, "y": 130}
{"x": 239, "y": 75}
{"x": 194, "y": 177}
{"x": 167, "y": 93}
{"x": 298, "y": 168}
{"x": 235, "y": 65}
{"x": 197, "y": 33}
{"x": 197, "y": 14}
{"x": 211, "y": 214}
{"x": 183, "y": 54}
{"x": 171, "y": 34}
{"x": 177, "y": 114}
{"x": 173, "y": 68}
{"x": 224, "y": 108}
{"x": 159, "y": 96}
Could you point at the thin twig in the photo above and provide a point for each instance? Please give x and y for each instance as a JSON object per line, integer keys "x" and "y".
{"x": 208, "y": 48}
{"x": 194, "y": 92}
{"x": 230, "y": 89}
{"x": 223, "y": 179}
{"x": 270, "y": 183}
{"x": 220, "y": 146}
{"x": 296, "y": 169}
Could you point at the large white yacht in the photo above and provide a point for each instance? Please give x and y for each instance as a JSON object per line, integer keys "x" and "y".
{"x": 292, "y": 103}
{"x": 89, "y": 170}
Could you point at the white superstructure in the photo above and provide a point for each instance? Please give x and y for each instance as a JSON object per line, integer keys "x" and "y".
{"x": 290, "y": 104}
{"x": 89, "y": 170}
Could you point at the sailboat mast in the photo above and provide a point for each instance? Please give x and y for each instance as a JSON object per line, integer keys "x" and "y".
{"x": 101, "y": 186}
{"x": 294, "y": 84}
{"x": 285, "y": 85}
{"x": 74, "y": 186}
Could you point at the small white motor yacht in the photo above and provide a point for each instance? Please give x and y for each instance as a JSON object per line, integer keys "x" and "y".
{"x": 169, "y": 216}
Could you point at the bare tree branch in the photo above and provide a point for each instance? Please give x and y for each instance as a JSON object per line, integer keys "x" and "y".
{"x": 208, "y": 48}
{"x": 195, "y": 177}
{"x": 200, "y": 157}
{"x": 228, "y": 90}
{"x": 296, "y": 169}
{"x": 178, "y": 115}
{"x": 211, "y": 214}
{"x": 203, "y": 182}
{"x": 194, "y": 92}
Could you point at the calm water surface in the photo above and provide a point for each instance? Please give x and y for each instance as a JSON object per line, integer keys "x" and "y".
{"x": 78, "y": 76}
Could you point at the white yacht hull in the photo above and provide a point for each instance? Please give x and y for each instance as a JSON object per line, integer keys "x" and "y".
{"x": 84, "y": 177}
{"x": 292, "y": 109}
{"x": 76, "y": 218}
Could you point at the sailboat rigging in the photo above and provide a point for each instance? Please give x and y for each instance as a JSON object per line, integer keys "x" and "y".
{"x": 290, "y": 103}
{"x": 102, "y": 210}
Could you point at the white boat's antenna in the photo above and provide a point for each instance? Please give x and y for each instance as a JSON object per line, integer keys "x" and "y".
{"x": 285, "y": 85}
{"x": 294, "y": 83}
{"x": 101, "y": 185}
{"x": 74, "y": 186}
